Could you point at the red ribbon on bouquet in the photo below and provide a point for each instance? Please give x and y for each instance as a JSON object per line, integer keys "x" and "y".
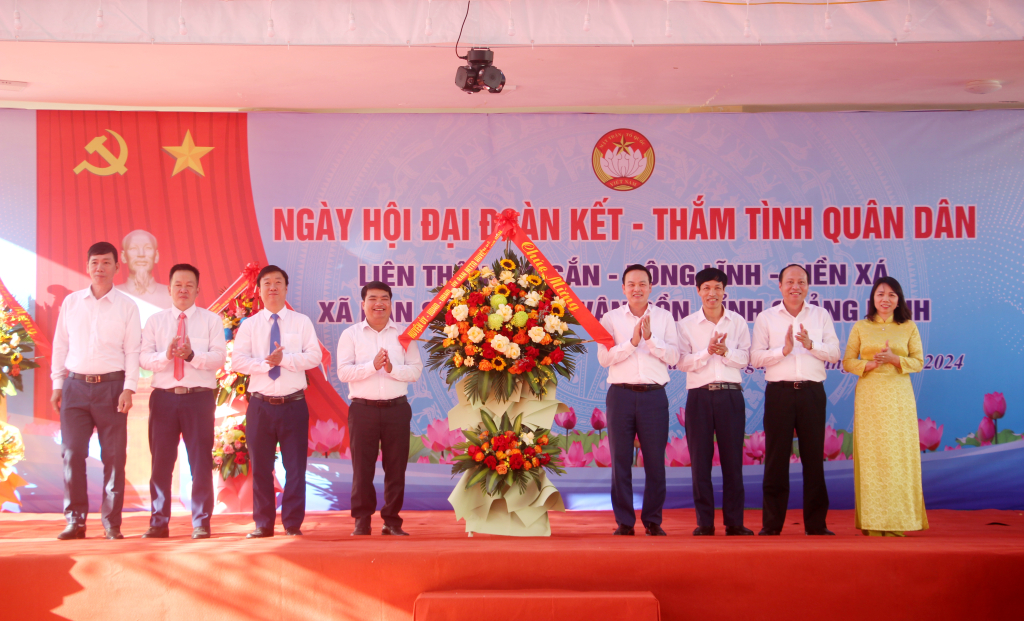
{"x": 506, "y": 227}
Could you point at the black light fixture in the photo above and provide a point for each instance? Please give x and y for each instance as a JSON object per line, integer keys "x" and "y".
{"x": 480, "y": 72}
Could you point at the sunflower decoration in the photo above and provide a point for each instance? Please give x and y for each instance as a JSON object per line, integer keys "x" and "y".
{"x": 15, "y": 342}
{"x": 504, "y": 326}
{"x": 235, "y": 385}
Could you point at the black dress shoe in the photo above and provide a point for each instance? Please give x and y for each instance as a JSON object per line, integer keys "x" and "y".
{"x": 623, "y": 530}
{"x": 293, "y": 531}
{"x": 114, "y": 532}
{"x": 704, "y": 531}
{"x": 362, "y": 527}
{"x": 155, "y": 532}
{"x": 73, "y": 531}
{"x": 260, "y": 533}
{"x": 737, "y": 531}
{"x": 200, "y": 532}
{"x": 655, "y": 530}
{"x": 769, "y": 532}
{"x": 820, "y": 531}
{"x": 393, "y": 530}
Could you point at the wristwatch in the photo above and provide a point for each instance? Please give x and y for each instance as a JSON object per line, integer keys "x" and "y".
{"x": 191, "y": 355}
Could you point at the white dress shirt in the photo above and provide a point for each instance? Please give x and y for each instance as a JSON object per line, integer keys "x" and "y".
{"x": 701, "y": 367}
{"x": 801, "y": 365}
{"x": 359, "y": 345}
{"x": 205, "y": 333}
{"x": 252, "y": 345}
{"x": 646, "y": 363}
{"x": 96, "y": 337}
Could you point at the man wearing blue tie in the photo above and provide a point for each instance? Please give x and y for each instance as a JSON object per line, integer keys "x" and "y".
{"x": 275, "y": 347}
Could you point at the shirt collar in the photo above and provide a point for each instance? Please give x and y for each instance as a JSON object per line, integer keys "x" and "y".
{"x": 891, "y": 319}
{"x": 725, "y": 315}
{"x": 191, "y": 310}
{"x": 388, "y": 326}
{"x": 281, "y": 314}
{"x": 87, "y": 293}
{"x": 628, "y": 313}
{"x": 782, "y": 309}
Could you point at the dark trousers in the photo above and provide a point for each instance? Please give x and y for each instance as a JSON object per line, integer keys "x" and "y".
{"x": 721, "y": 413}
{"x": 189, "y": 416}
{"x": 632, "y": 414}
{"x": 787, "y": 409}
{"x": 85, "y": 407}
{"x": 267, "y": 425}
{"x": 387, "y": 429}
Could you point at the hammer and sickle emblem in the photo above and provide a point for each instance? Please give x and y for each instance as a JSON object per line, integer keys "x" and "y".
{"x": 116, "y": 163}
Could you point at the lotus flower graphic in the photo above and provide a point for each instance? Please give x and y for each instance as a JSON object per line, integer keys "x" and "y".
{"x": 624, "y": 163}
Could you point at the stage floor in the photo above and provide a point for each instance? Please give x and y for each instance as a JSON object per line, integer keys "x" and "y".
{"x": 967, "y": 566}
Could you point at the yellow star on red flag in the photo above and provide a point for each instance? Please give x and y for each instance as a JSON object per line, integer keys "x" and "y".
{"x": 188, "y": 155}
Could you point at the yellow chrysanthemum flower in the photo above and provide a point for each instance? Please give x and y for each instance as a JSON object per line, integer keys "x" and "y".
{"x": 534, "y": 279}
{"x": 499, "y": 363}
{"x": 508, "y": 264}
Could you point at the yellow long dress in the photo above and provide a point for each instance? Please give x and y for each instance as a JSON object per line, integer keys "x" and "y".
{"x": 886, "y": 446}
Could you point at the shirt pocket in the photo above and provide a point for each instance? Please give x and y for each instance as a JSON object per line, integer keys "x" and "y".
{"x": 292, "y": 343}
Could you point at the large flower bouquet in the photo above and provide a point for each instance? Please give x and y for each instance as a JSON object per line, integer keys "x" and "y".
{"x": 506, "y": 455}
{"x": 504, "y": 326}
{"x": 15, "y": 342}
{"x": 230, "y": 452}
{"x": 244, "y": 305}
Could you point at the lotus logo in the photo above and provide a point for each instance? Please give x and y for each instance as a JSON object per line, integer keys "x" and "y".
{"x": 623, "y": 159}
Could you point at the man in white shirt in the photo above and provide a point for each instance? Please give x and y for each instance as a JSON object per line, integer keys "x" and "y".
{"x": 793, "y": 341}
{"x": 275, "y": 347}
{"x": 95, "y": 370}
{"x": 378, "y": 371}
{"x": 714, "y": 347}
{"x": 646, "y": 344}
{"x": 184, "y": 347}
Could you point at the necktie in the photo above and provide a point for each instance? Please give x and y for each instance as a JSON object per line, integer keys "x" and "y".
{"x": 275, "y": 339}
{"x": 179, "y": 363}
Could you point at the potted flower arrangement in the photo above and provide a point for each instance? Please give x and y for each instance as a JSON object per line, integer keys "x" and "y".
{"x": 230, "y": 452}
{"x": 235, "y": 385}
{"x": 500, "y": 457}
{"x": 503, "y": 327}
{"x": 15, "y": 342}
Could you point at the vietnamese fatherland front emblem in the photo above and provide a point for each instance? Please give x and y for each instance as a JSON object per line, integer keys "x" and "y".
{"x": 623, "y": 159}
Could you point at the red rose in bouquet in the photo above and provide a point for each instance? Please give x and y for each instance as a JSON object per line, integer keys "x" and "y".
{"x": 556, "y": 356}
{"x": 449, "y": 318}
{"x": 516, "y": 461}
{"x": 491, "y": 461}
{"x": 544, "y": 459}
{"x": 532, "y": 352}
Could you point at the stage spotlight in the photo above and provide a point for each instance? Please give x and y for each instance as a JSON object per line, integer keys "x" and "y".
{"x": 480, "y": 73}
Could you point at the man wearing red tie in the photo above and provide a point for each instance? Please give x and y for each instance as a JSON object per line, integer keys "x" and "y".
{"x": 95, "y": 370}
{"x": 275, "y": 347}
{"x": 184, "y": 347}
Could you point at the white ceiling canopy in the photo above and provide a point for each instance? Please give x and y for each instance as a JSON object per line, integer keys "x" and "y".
{"x": 499, "y": 23}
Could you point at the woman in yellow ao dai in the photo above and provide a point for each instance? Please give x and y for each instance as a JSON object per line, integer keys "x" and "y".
{"x": 882, "y": 351}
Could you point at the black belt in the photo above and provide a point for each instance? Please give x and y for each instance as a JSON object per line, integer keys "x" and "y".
{"x": 181, "y": 390}
{"x": 295, "y": 396}
{"x": 796, "y": 385}
{"x": 116, "y": 376}
{"x": 640, "y": 387}
{"x": 720, "y": 386}
{"x": 381, "y": 404}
